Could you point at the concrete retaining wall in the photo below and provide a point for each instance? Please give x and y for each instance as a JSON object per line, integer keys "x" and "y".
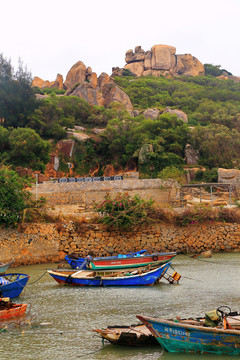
{"x": 85, "y": 193}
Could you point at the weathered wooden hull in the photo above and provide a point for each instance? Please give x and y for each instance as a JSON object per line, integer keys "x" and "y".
{"x": 134, "y": 335}
{"x": 180, "y": 337}
{"x": 13, "y": 284}
{"x": 15, "y": 311}
{"x": 80, "y": 278}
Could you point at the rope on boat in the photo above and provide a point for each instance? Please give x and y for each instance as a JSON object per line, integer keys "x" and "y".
{"x": 38, "y": 278}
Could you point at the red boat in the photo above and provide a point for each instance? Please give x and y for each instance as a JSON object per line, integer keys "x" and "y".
{"x": 127, "y": 262}
{"x": 9, "y": 310}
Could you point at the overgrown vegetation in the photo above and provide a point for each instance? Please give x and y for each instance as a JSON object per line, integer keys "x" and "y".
{"x": 28, "y": 126}
{"x": 16, "y": 203}
{"x": 123, "y": 211}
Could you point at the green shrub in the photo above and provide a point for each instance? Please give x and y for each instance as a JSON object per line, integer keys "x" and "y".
{"x": 123, "y": 211}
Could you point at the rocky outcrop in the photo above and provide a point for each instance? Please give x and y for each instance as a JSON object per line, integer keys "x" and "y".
{"x": 76, "y": 75}
{"x": 89, "y": 93}
{"x": 188, "y": 65}
{"x": 143, "y": 153}
{"x": 151, "y": 113}
{"x": 180, "y": 114}
{"x": 37, "y": 82}
{"x": 103, "y": 79}
{"x": 162, "y": 60}
{"x": 231, "y": 176}
{"x": 58, "y": 83}
{"x": 191, "y": 156}
{"x": 235, "y": 79}
{"x": 41, "y": 84}
{"x": 112, "y": 93}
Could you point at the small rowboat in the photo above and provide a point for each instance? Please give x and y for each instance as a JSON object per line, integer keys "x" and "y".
{"x": 9, "y": 310}
{"x": 11, "y": 285}
{"x": 118, "y": 262}
{"x": 136, "y": 277}
{"x": 196, "y": 335}
{"x": 4, "y": 267}
{"x": 134, "y": 335}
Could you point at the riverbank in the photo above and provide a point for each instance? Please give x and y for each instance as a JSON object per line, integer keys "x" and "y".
{"x": 44, "y": 243}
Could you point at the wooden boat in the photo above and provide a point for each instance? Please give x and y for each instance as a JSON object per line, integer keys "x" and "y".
{"x": 134, "y": 335}
{"x": 11, "y": 285}
{"x": 194, "y": 335}
{"x": 4, "y": 267}
{"x": 128, "y": 261}
{"x": 78, "y": 262}
{"x": 9, "y": 310}
{"x": 136, "y": 277}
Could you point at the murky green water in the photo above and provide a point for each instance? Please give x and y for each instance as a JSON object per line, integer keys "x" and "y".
{"x": 70, "y": 313}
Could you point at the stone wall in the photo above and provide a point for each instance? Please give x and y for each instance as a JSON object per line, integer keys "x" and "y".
{"x": 84, "y": 193}
{"x": 42, "y": 243}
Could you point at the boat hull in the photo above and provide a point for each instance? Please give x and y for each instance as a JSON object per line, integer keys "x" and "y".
{"x": 14, "y": 284}
{"x": 4, "y": 267}
{"x": 157, "y": 259}
{"x": 179, "y": 337}
{"x": 134, "y": 335}
{"x": 144, "y": 279}
{"x": 16, "y": 311}
{"x": 118, "y": 262}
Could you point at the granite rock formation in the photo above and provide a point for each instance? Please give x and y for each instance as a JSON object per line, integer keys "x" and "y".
{"x": 162, "y": 60}
{"x": 181, "y": 115}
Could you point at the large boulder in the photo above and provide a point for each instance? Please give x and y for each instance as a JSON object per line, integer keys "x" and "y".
{"x": 151, "y": 113}
{"x": 188, "y": 65}
{"x": 58, "y": 83}
{"x": 76, "y": 75}
{"x": 181, "y": 115}
{"x": 37, "y": 82}
{"x": 231, "y": 176}
{"x": 112, "y": 93}
{"x": 139, "y": 55}
{"x": 163, "y": 57}
{"x": 136, "y": 67}
{"x": 191, "y": 155}
{"x": 90, "y": 94}
{"x": 103, "y": 79}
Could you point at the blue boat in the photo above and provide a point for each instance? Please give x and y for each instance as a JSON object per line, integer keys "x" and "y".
{"x": 80, "y": 263}
{"x": 137, "y": 277}
{"x": 11, "y": 285}
{"x": 193, "y": 335}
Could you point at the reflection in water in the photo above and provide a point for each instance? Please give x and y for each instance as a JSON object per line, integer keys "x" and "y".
{"x": 70, "y": 313}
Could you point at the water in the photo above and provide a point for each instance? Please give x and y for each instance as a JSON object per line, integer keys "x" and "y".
{"x": 63, "y": 316}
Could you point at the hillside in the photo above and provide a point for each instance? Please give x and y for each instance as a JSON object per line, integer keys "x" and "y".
{"x": 108, "y": 125}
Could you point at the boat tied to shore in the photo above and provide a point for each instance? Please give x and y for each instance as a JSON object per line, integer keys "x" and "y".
{"x": 217, "y": 333}
{"x": 135, "y": 277}
{"x": 132, "y": 260}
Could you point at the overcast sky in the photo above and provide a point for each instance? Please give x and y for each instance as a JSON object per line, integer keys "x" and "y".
{"x": 52, "y": 35}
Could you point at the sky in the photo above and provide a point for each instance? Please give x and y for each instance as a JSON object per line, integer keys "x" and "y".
{"x": 50, "y": 36}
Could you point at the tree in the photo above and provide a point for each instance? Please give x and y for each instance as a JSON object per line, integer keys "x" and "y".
{"x": 17, "y": 98}
{"x": 28, "y": 149}
{"x": 217, "y": 145}
{"x": 13, "y": 197}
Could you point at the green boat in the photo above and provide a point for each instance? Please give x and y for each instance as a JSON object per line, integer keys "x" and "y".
{"x": 218, "y": 336}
